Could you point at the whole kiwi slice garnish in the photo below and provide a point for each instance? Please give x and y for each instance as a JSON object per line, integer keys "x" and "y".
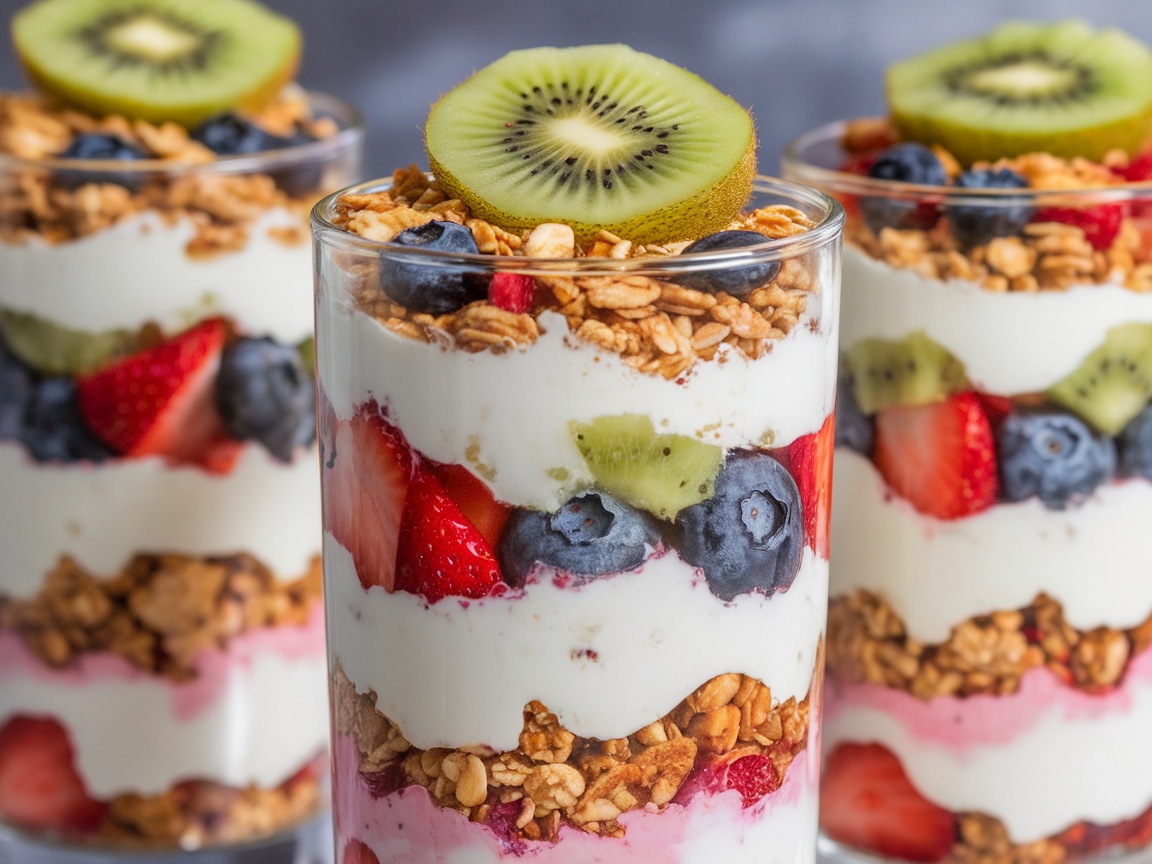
{"x": 594, "y": 136}
{"x": 1061, "y": 88}
{"x": 157, "y": 60}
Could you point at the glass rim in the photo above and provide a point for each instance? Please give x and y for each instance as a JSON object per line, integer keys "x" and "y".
{"x": 796, "y": 165}
{"x": 828, "y": 229}
{"x": 349, "y": 136}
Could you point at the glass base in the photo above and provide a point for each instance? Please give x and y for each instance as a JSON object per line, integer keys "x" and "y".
{"x": 309, "y": 843}
{"x": 828, "y": 851}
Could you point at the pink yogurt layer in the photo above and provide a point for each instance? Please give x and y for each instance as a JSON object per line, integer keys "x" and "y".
{"x": 214, "y": 668}
{"x": 966, "y": 722}
{"x": 408, "y": 827}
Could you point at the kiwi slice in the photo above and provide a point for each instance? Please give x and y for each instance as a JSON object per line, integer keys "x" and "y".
{"x": 1114, "y": 382}
{"x": 595, "y": 136}
{"x": 1062, "y": 88}
{"x": 157, "y": 60}
{"x": 914, "y": 370}
{"x": 52, "y": 349}
{"x": 660, "y": 473}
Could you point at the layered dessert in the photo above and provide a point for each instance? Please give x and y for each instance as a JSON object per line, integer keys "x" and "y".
{"x": 162, "y": 670}
{"x": 990, "y": 620}
{"x": 576, "y": 389}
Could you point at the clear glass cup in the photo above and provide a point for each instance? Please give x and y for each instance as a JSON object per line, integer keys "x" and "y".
{"x": 162, "y": 652}
{"x": 524, "y": 662}
{"x": 989, "y": 612}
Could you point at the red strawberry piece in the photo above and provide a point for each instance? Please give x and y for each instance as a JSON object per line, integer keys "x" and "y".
{"x": 474, "y": 499}
{"x": 356, "y": 852}
{"x": 1138, "y": 170}
{"x": 867, "y": 801}
{"x": 941, "y": 457}
{"x": 809, "y": 460}
{"x": 39, "y": 785}
{"x": 441, "y": 553}
{"x": 997, "y": 408}
{"x": 512, "y": 292}
{"x": 753, "y": 776}
{"x": 1100, "y": 224}
{"x": 161, "y": 401}
{"x": 364, "y": 480}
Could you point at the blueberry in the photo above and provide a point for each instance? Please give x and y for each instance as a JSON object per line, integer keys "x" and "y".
{"x": 17, "y": 384}
{"x": 976, "y": 224}
{"x": 54, "y": 431}
{"x": 750, "y": 534}
{"x": 903, "y": 163}
{"x": 737, "y": 281}
{"x": 99, "y": 146}
{"x": 854, "y": 429}
{"x": 263, "y": 393}
{"x": 230, "y": 135}
{"x": 593, "y": 534}
{"x": 432, "y": 286}
{"x": 1054, "y": 456}
{"x": 1135, "y": 447}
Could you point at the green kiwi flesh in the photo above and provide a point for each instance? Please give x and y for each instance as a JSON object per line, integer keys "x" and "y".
{"x": 914, "y": 370}
{"x": 1114, "y": 382}
{"x": 1062, "y": 88}
{"x": 596, "y": 137}
{"x": 52, "y": 349}
{"x": 660, "y": 473}
{"x": 157, "y": 60}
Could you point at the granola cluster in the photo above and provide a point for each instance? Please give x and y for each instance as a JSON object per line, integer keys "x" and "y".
{"x": 867, "y": 643}
{"x": 555, "y": 777}
{"x": 657, "y": 327}
{"x": 159, "y": 612}
{"x": 221, "y": 207}
{"x": 1047, "y": 256}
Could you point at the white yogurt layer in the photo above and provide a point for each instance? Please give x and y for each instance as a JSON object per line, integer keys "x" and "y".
{"x": 510, "y": 412}
{"x": 1009, "y": 343}
{"x": 457, "y": 673}
{"x": 103, "y": 514}
{"x": 138, "y": 271}
{"x": 1092, "y": 558}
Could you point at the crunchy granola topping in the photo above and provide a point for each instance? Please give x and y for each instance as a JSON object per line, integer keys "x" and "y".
{"x": 159, "y": 612}
{"x": 555, "y": 777}
{"x": 867, "y": 642}
{"x": 658, "y": 327}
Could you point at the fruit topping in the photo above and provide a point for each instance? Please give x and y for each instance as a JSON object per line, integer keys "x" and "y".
{"x": 903, "y": 163}
{"x": 1100, "y": 224}
{"x": 512, "y": 292}
{"x": 914, "y": 370}
{"x": 53, "y": 429}
{"x": 739, "y": 281}
{"x": 356, "y": 852}
{"x": 1134, "y": 445}
{"x": 1053, "y": 456}
{"x": 868, "y": 802}
{"x": 809, "y": 461}
{"x": 53, "y": 349}
{"x": 430, "y": 285}
{"x": 752, "y": 775}
{"x": 97, "y": 146}
{"x": 974, "y": 224}
{"x": 474, "y": 499}
{"x": 228, "y": 134}
{"x": 596, "y": 137}
{"x": 593, "y": 534}
{"x": 660, "y": 473}
{"x": 157, "y": 60}
{"x": 749, "y": 536}
{"x": 1061, "y": 88}
{"x": 263, "y": 393}
{"x": 16, "y": 387}
{"x": 160, "y": 401}
{"x": 940, "y": 457}
{"x": 854, "y": 429}
{"x": 39, "y": 785}
{"x": 440, "y": 552}
{"x": 1113, "y": 383}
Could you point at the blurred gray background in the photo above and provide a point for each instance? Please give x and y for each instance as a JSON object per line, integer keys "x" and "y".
{"x": 795, "y": 63}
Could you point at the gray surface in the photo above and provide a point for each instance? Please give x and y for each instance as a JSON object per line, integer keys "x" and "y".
{"x": 794, "y": 63}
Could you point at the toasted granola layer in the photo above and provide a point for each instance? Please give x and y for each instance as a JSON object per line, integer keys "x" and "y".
{"x": 556, "y": 778}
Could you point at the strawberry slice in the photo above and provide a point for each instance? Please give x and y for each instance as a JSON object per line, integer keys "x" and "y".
{"x": 512, "y": 292}
{"x": 356, "y": 852}
{"x": 161, "y": 401}
{"x": 940, "y": 457}
{"x": 364, "y": 479}
{"x": 441, "y": 553}
{"x": 809, "y": 460}
{"x": 867, "y": 801}
{"x": 39, "y": 785}
{"x": 1100, "y": 224}
{"x": 474, "y": 499}
{"x": 753, "y": 775}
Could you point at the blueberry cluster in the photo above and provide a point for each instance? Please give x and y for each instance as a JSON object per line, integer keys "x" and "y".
{"x": 749, "y": 536}
{"x": 973, "y": 221}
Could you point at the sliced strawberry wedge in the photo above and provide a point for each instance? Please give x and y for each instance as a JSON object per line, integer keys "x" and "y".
{"x": 39, "y": 785}
{"x": 474, "y": 499}
{"x": 941, "y": 457}
{"x": 441, "y": 553}
{"x": 867, "y": 801}
{"x": 356, "y": 852}
{"x": 161, "y": 401}
{"x": 1100, "y": 224}
{"x": 809, "y": 460}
